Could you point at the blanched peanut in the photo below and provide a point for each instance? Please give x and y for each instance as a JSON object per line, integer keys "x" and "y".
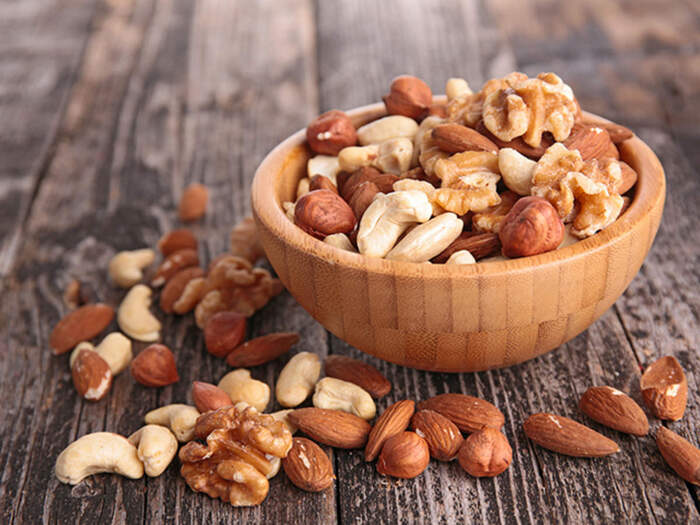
{"x": 427, "y": 240}
{"x": 336, "y": 394}
{"x": 386, "y": 128}
{"x": 297, "y": 379}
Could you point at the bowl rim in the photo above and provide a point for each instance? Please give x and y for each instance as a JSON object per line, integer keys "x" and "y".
{"x": 649, "y": 189}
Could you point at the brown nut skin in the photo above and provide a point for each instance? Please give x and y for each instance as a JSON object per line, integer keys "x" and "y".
{"x": 262, "y": 349}
{"x": 405, "y": 455}
{"x": 321, "y": 213}
{"x": 665, "y": 388}
{"x": 208, "y": 397}
{"x": 409, "y": 96}
{"x": 307, "y": 466}
{"x": 155, "y": 366}
{"x": 193, "y": 203}
{"x": 175, "y": 286}
{"x": 321, "y": 182}
{"x": 175, "y": 240}
{"x": 485, "y": 453}
{"x": 79, "y": 325}
{"x": 223, "y": 332}
{"x": 383, "y": 181}
{"x": 91, "y": 375}
{"x": 362, "y": 197}
{"x": 331, "y": 132}
{"x": 532, "y": 226}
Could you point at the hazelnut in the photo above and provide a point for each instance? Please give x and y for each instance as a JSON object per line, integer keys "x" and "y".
{"x": 409, "y": 96}
{"x": 405, "y": 455}
{"x": 223, "y": 332}
{"x": 155, "y": 366}
{"x": 322, "y": 212}
{"x": 331, "y": 132}
{"x": 485, "y": 453}
{"x": 532, "y": 226}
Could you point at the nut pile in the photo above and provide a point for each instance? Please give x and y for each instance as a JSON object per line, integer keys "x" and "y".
{"x": 514, "y": 167}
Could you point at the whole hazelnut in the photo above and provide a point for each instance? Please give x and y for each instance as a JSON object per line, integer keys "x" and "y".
{"x": 405, "y": 455}
{"x": 331, "y": 132}
{"x": 321, "y": 213}
{"x": 409, "y": 96}
{"x": 485, "y": 453}
{"x": 223, "y": 332}
{"x": 532, "y": 226}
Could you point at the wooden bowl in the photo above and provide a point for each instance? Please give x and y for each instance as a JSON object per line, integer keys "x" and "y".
{"x": 454, "y": 318}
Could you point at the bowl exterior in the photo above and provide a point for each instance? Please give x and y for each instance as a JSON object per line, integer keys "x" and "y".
{"x": 456, "y": 319}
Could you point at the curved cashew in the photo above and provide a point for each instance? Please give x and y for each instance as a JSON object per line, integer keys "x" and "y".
{"x": 178, "y": 418}
{"x": 297, "y": 379}
{"x": 420, "y": 185}
{"x": 115, "y": 349}
{"x": 125, "y": 268}
{"x": 336, "y": 394}
{"x": 427, "y": 240}
{"x": 516, "y": 170}
{"x": 355, "y": 157}
{"x": 394, "y": 155}
{"x": 283, "y": 416}
{"x": 341, "y": 241}
{"x": 418, "y": 143}
{"x": 323, "y": 165}
{"x": 456, "y": 87}
{"x": 303, "y": 187}
{"x": 95, "y": 453}
{"x": 391, "y": 127}
{"x": 134, "y": 318}
{"x": 156, "y": 448}
{"x": 461, "y": 257}
{"x": 241, "y": 387}
{"x": 388, "y": 217}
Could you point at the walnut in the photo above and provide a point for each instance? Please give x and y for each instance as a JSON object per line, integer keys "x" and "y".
{"x": 244, "y": 240}
{"x": 529, "y": 107}
{"x": 582, "y": 192}
{"x": 234, "y": 285}
{"x": 490, "y": 219}
{"x": 468, "y": 182}
{"x": 467, "y": 107}
{"x": 238, "y": 457}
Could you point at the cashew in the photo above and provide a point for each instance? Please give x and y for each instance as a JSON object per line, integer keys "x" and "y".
{"x": 303, "y": 187}
{"x": 425, "y": 126}
{"x": 355, "y": 157}
{"x": 394, "y": 155}
{"x": 275, "y": 464}
{"x": 420, "y": 185}
{"x": 516, "y": 170}
{"x": 391, "y": 127}
{"x": 297, "y": 379}
{"x": 461, "y": 257}
{"x": 336, "y": 394}
{"x": 288, "y": 208}
{"x": 341, "y": 241}
{"x": 95, "y": 453}
{"x": 134, "y": 318}
{"x": 241, "y": 387}
{"x": 323, "y": 165}
{"x": 283, "y": 416}
{"x": 427, "y": 240}
{"x": 125, "y": 268}
{"x": 156, "y": 448}
{"x": 115, "y": 349}
{"x": 178, "y": 418}
{"x": 456, "y": 87}
{"x": 388, "y": 217}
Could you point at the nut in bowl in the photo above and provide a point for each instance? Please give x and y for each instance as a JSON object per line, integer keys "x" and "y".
{"x": 385, "y": 290}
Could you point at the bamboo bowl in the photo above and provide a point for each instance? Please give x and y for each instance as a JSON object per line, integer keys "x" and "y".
{"x": 454, "y": 318}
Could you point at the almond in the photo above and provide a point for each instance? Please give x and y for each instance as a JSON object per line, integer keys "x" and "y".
{"x": 358, "y": 372}
{"x": 321, "y": 182}
{"x": 629, "y": 178}
{"x": 92, "y": 376}
{"x": 480, "y": 245}
{"x": 408, "y": 96}
{"x": 454, "y": 138}
{"x": 208, "y": 397}
{"x": 616, "y": 132}
{"x": 331, "y": 427}
{"x": 485, "y": 453}
{"x": 566, "y": 436}
{"x": 362, "y": 197}
{"x": 79, "y": 325}
{"x": 174, "y": 288}
{"x": 468, "y": 413}
{"x": 177, "y": 240}
{"x": 680, "y": 454}
{"x": 614, "y": 409}
{"x": 518, "y": 144}
{"x": 224, "y": 332}
{"x": 404, "y": 455}
{"x": 331, "y": 132}
{"x": 193, "y": 203}
{"x": 307, "y": 466}
{"x": 155, "y": 366}
{"x": 321, "y": 213}
{"x": 665, "y": 388}
{"x": 262, "y": 349}
{"x": 441, "y": 434}
{"x": 591, "y": 141}
{"x": 393, "y": 421}
{"x": 174, "y": 263}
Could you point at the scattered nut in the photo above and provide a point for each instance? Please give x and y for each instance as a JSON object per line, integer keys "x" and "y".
{"x": 181, "y": 419}
{"x": 615, "y": 409}
{"x": 72, "y": 297}
{"x": 177, "y": 240}
{"x": 241, "y": 387}
{"x": 331, "y": 132}
{"x": 404, "y": 455}
{"x": 174, "y": 297}
{"x": 157, "y": 447}
{"x": 193, "y": 203}
{"x": 442, "y": 435}
{"x": 262, "y": 349}
{"x": 468, "y": 413}
{"x": 566, "y": 436}
{"x": 126, "y": 268}
{"x": 331, "y": 427}
{"x": 665, "y": 388}
{"x": 155, "y": 366}
{"x": 362, "y": 374}
{"x": 174, "y": 263}
{"x": 485, "y": 453}
{"x": 92, "y": 377}
{"x": 307, "y": 466}
{"x": 680, "y": 454}
{"x": 115, "y": 349}
{"x": 391, "y": 127}
{"x": 394, "y": 420}
{"x": 244, "y": 240}
{"x": 297, "y": 379}
{"x": 96, "y": 453}
{"x": 223, "y": 332}
{"x": 336, "y": 394}
{"x": 80, "y": 325}
{"x": 208, "y": 397}
{"x": 134, "y": 318}
{"x": 532, "y": 226}
{"x": 409, "y": 96}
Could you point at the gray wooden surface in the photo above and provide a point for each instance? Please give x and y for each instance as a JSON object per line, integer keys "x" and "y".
{"x": 109, "y": 108}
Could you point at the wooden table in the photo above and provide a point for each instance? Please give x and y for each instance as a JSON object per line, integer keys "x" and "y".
{"x": 109, "y": 108}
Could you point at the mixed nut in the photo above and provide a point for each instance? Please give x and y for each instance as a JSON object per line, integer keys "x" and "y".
{"x": 515, "y": 167}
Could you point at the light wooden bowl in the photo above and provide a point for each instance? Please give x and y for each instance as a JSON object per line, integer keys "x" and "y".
{"x": 454, "y": 318}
